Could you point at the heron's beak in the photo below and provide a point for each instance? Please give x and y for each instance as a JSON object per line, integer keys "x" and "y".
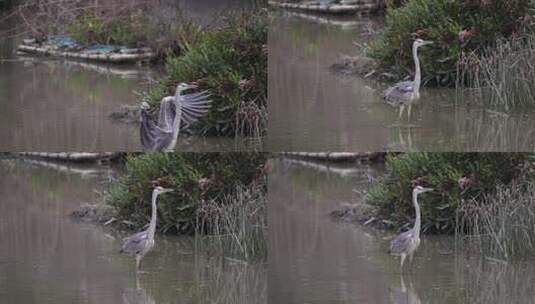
{"x": 427, "y": 42}
{"x": 192, "y": 86}
{"x": 427, "y": 190}
{"x": 167, "y": 190}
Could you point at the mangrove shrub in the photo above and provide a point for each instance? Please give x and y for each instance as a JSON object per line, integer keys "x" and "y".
{"x": 456, "y": 178}
{"x": 456, "y": 26}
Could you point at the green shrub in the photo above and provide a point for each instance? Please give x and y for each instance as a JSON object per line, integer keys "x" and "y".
{"x": 231, "y": 63}
{"x": 133, "y": 29}
{"x": 455, "y": 177}
{"x": 442, "y": 21}
{"x": 195, "y": 177}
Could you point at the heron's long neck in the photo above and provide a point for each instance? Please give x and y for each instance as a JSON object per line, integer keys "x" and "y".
{"x": 417, "y": 221}
{"x": 152, "y": 225}
{"x": 176, "y": 121}
{"x": 418, "y": 72}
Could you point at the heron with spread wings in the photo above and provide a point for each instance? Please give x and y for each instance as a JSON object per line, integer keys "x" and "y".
{"x": 176, "y": 113}
{"x": 406, "y": 243}
{"x": 406, "y": 92}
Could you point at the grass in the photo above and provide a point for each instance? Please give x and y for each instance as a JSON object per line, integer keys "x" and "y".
{"x": 231, "y": 63}
{"x": 456, "y": 27}
{"x": 236, "y": 225}
{"x": 456, "y": 177}
{"x": 502, "y": 76}
{"x": 502, "y": 224}
{"x": 195, "y": 178}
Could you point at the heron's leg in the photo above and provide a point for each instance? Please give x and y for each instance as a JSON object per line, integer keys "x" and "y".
{"x": 409, "y": 112}
{"x": 402, "y": 260}
{"x": 403, "y": 287}
{"x": 401, "y": 109}
{"x": 138, "y": 262}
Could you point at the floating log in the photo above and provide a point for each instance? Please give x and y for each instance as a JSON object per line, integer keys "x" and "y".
{"x": 347, "y": 7}
{"x": 102, "y": 57}
{"x": 73, "y": 156}
{"x": 338, "y": 156}
{"x": 327, "y": 19}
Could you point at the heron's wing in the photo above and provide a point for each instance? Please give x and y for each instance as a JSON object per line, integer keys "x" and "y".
{"x": 399, "y": 92}
{"x": 153, "y": 138}
{"x": 134, "y": 243}
{"x": 401, "y": 243}
{"x": 194, "y": 106}
{"x": 167, "y": 113}
{"x": 405, "y": 86}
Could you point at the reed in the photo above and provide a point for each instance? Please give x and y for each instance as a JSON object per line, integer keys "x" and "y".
{"x": 500, "y": 225}
{"x": 236, "y": 226}
{"x": 502, "y": 76}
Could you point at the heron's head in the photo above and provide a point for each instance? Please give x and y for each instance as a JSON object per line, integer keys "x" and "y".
{"x": 420, "y": 42}
{"x": 160, "y": 190}
{"x": 420, "y": 189}
{"x": 145, "y": 105}
{"x": 185, "y": 86}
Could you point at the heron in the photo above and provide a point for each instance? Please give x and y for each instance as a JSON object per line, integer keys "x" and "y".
{"x": 406, "y": 92}
{"x": 142, "y": 242}
{"x": 406, "y": 243}
{"x": 180, "y": 110}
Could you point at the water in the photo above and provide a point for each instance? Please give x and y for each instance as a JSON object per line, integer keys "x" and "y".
{"x": 314, "y": 259}
{"x": 47, "y": 257}
{"x": 314, "y": 109}
{"x": 56, "y": 105}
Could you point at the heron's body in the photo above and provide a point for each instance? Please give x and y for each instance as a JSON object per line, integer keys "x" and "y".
{"x": 141, "y": 243}
{"x": 181, "y": 109}
{"x": 406, "y": 92}
{"x": 406, "y": 243}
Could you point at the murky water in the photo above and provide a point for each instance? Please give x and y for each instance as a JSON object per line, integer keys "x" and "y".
{"x": 56, "y": 105}
{"x": 46, "y": 257}
{"x": 313, "y": 109}
{"x": 314, "y": 259}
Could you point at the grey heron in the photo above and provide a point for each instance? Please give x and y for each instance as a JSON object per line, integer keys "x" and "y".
{"x": 142, "y": 242}
{"x": 406, "y": 243}
{"x": 406, "y": 92}
{"x": 175, "y": 112}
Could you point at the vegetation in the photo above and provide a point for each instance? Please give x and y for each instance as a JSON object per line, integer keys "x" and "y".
{"x": 503, "y": 75}
{"x": 237, "y": 225}
{"x": 456, "y": 27}
{"x": 132, "y": 29}
{"x": 229, "y": 62}
{"x": 501, "y": 224}
{"x": 196, "y": 178}
{"x": 135, "y": 23}
{"x": 456, "y": 177}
